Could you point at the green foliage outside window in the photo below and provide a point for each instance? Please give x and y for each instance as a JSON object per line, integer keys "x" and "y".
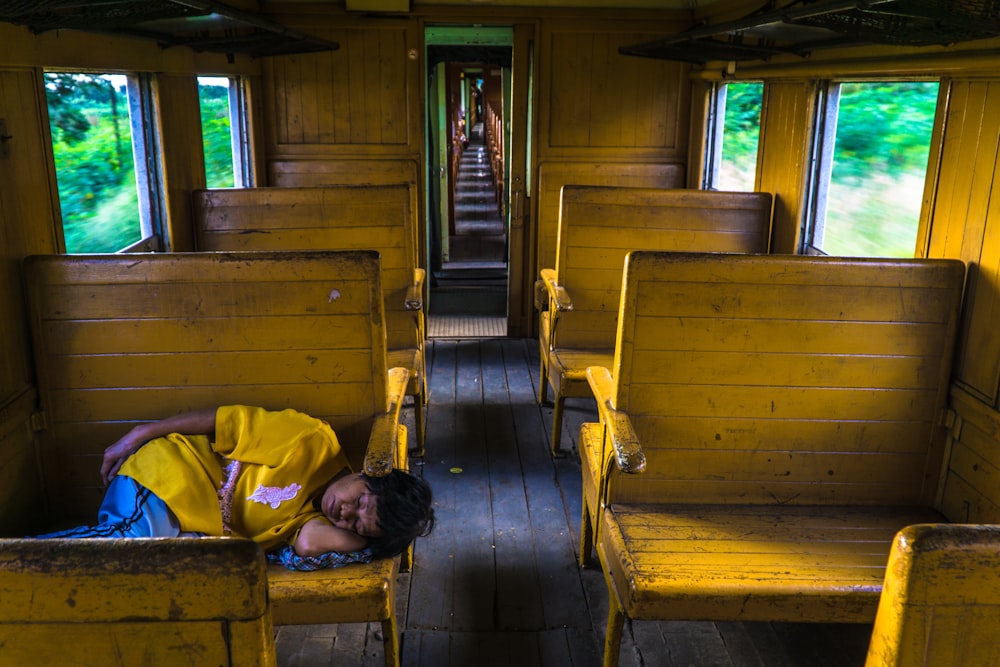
{"x": 92, "y": 145}
{"x": 216, "y": 132}
{"x": 738, "y": 167}
{"x": 879, "y": 167}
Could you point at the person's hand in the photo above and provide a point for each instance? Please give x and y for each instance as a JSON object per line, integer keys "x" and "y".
{"x": 198, "y": 422}
{"x": 115, "y": 455}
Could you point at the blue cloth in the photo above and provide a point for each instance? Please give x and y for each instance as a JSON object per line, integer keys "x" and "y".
{"x": 286, "y": 556}
{"x": 128, "y": 510}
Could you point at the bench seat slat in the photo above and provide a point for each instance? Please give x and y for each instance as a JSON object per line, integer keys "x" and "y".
{"x": 338, "y": 595}
{"x": 800, "y": 562}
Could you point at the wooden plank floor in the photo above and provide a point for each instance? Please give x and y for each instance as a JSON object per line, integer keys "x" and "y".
{"x": 497, "y": 582}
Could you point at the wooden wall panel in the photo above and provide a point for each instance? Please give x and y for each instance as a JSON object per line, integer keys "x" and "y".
{"x": 599, "y": 101}
{"x": 966, "y": 224}
{"x": 971, "y": 492}
{"x": 552, "y": 176}
{"x": 358, "y": 95}
{"x": 784, "y": 155}
{"x": 182, "y": 153}
{"x": 27, "y": 225}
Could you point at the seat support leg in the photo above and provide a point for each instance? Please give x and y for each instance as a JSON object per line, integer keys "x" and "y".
{"x": 586, "y": 537}
{"x": 557, "y": 414}
{"x": 613, "y": 638}
{"x": 390, "y": 641}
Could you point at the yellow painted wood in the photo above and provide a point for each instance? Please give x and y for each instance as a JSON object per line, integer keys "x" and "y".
{"x": 971, "y": 494}
{"x": 598, "y": 226}
{"x": 583, "y": 66}
{"x": 355, "y": 96}
{"x": 206, "y": 328}
{"x": 167, "y": 601}
{"x": 941, "y": 598}
{"x": 300, "y": 329}
{"x": 355, "y": 170}
{"x": 553, "y": 175}
{"x": 181, "y": 158}
{"x": 27, "y": 225}
{"x": 341, "y": 217}
{"x": 963, "y": 223}
{"x": 786, "y": 136}
{"x": 20, "y": 487}
{"x": 781, "y": 442}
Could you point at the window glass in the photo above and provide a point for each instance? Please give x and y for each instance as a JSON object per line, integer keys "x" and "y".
{"x": 733, "y": 142}
{"x": 95, "y": 165}
{"x": 872, "y": 159}
{"x": 216, "y": 131}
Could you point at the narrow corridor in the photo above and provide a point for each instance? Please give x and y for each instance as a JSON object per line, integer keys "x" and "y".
{"x": 469, "y": 295}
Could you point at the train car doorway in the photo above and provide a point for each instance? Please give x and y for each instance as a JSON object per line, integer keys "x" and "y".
{"x": 474, "y": 177}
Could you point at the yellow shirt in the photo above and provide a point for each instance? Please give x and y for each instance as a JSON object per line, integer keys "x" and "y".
{"x": 287, "y": 458}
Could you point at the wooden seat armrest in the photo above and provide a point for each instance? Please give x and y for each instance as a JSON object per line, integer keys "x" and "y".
{"x": 415, "y": 292}
{"x": 628, "y": 452}
{"x": 557, "y": 294}
{"x": 541, "y": 296}
{"x": 383, "y": 443}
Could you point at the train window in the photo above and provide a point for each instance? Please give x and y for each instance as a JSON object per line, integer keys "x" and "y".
{"x": 731, "y": 158}
{"x": 224, "y": 131}
{"x": 873, "y": 140}
{"x": 107, "y": 193}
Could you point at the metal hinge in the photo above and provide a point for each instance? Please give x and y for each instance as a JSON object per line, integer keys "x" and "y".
{"x": 952, "y": 421}
{"x": 38, "y": 421}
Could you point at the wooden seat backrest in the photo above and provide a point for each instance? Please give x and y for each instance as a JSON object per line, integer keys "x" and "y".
{"x": 123, "y": 339}
{"x": 785, "y": 379}
{"x": 341, "y": 217}
{"x": 599, "y": 225}
{"x": 941, "y": 598}
{"x": 298, "y": 173}
{"x": 134, "y": 602}
{"x": 552, "y": 176}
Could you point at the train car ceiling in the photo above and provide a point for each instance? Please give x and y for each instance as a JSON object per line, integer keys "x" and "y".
{"x": 802, "y": 27}
{"x": 203, "y": 25}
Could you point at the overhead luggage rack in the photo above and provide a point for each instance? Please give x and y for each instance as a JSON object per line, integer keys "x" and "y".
{"x": 202, "y": 25}
{"x": 803, "y": 27}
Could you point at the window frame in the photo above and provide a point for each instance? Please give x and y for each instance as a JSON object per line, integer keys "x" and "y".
{"x": 715, "y": 132}
{"x": 240, "y": 137}
{"x": 824, "y": 138}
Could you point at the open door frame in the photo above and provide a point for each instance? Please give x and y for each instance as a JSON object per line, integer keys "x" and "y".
{"x": 520, "y": 258}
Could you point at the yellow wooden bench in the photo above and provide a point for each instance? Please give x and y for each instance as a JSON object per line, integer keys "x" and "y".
{"x": 940, "y": 603}
{"x": 134, "y": 602}
{"x": 357, "y": 170}
{"x": 123, "y": 339}
{"x": 597, "y": 227}
{"x": 554, "y": 174}
{"x": 768, "y": 425}
{"x": 334, "y": 217}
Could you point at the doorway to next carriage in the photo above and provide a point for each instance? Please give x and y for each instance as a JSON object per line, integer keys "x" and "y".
{"x": 468, "y": 174}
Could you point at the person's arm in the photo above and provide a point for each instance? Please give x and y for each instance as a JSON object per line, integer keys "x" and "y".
{"x": 319, "y": 536}
{"x": 199, "y": 422}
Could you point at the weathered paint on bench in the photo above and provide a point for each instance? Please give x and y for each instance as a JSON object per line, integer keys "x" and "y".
{"x": 334, "y": 217}
{"x": 134, "y": 602}
{"x": 553, "y": 175}
{"x": 122, "y": 339}
{"x": 940, "y": 603}
{"x": 769, "y": 423}
{"x": 597, "y": 227}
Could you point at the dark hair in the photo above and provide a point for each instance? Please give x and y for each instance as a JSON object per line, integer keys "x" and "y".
{"x": 404, "y": 511}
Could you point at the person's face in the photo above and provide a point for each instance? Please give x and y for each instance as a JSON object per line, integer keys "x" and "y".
{"x": 348, "y": 504}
